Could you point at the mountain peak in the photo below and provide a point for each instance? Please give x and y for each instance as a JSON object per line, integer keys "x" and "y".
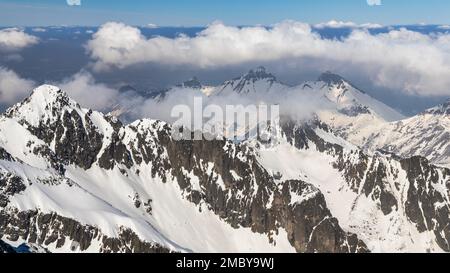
{"x": 256, "y": 80}
{"x": 48, "y": 94}
{"x": 127, "y": 88}
{"x": 45, "y": 101}
{"x": 443, "y": 109}
{"x": 259, "y": 73}
{"x": 192, "y": 83}
{"x": 331, "y": 78}
{"x": 47, "y": 91}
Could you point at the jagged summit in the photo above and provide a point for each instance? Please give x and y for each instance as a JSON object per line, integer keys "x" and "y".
{"x": 350, "y": 100}
{"x": 443, "y": 109}
{"x": 256, "y": 80}
{"x": 45, "y": 95}
{"x": 332, "y": 79}
{"x": 45, "y": 102}
{"x": 259, "y": 73}
{"x": 127, "y": 88}
{"x": 191, "y": 83}
{"x": 47, "y": 92}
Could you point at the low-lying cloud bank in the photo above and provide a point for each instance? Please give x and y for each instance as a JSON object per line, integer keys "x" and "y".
{"x": 13, "y": 88}
{"x": 83, "y": 88}
{"x": 401, "y": 60}
{"x": 348, "y": 24}
{"x": 13, "y": 39}
{"x": 295, "y": 103}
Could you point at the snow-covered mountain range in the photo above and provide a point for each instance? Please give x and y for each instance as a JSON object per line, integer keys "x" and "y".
{"x": 77, "y": 180}
{"x": 350, "y": 112}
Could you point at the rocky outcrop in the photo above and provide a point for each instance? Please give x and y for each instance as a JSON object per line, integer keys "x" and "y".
{"x": 427, "y": 201}
{"x": 76, "y": 142}
{"x": 309, "y": 223}
{"x": 46, "y": 229}
{"x": 5, "y": 248}
{"x": 250, "y": 197}
{"x": 9, "y": 186}
{"x": 427, "y": 205}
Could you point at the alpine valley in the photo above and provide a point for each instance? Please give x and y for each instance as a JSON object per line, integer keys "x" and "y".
{"x": 355, "y": 176}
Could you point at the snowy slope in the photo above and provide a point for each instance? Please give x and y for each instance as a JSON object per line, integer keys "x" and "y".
{"x": 352, "y": 183}
{"x": 354, "y": 114}
{"x": 75, "y": 180}
{"x": 257, "y": 80}
{"x": 350, "y": 112}
{"x": 130, "y": 188}
{"x": 372, "y": 125}
{"x": 351, "y": 100}
{"x": 426, "y": 134}
{"x": 107, "y": 199}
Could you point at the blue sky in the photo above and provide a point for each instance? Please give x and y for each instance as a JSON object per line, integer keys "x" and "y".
{"x": 233, "y": 12}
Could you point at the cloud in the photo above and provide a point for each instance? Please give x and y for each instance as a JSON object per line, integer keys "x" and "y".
{"x": 374, "y": 2}
{"x": 341, "y": 24}
{"x": 294, "y": 102}
{"x": 39, "y": 29}
{"x": 83, "y": 88}
{"x": 74, "y": 2}
{"x": 400, "y": 60}
{"x": 12, "y": 87}
{"x": 13, "y": 39}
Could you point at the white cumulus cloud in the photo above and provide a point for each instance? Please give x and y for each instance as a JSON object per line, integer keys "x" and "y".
{"x": 12, "y": 39}
{"x": 401, "y": 60}
{"x": 90, "y": 93}
{"x": 342, "y": 24}
{"x": 83, "y": 88}
{"x": 12, "y": 87}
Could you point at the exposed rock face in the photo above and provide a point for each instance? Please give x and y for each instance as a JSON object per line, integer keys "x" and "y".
{"x": 75, "y": 143}
{"x": 47, "y": 229}
{"x": 355, "y": 110}
{"x": 9, "y": 186}
{"x": 427, "y": 206}
{"x": 4, "y": 155}
{"x": 310, "y": 225}
{"x": 428, "y": 191}
{"x": 244, "y": 202}
{"x": 62, "y": 124}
